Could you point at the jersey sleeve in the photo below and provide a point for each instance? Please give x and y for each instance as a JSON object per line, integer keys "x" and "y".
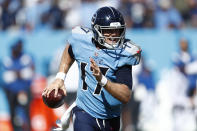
{"x": 70, "y": 51}
{"x": 124, "y": 76}
{"x": 79, "y": 35}
{"x": 77, "y": 32}
{"x": 72, "y": 39}
{"x": 133, "y": 53}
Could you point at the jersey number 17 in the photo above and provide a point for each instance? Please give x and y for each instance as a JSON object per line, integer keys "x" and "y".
{"x": 98, "y": 86}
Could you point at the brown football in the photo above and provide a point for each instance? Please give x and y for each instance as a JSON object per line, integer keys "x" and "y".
{"x": 52, "y": 101}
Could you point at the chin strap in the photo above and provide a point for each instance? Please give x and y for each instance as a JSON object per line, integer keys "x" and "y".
{"x": 64, "y": 122}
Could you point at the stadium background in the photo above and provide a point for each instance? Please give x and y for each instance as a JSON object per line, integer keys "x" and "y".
{"x": 156, "y": 25}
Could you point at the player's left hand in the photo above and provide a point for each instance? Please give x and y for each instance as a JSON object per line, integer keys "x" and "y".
{"x": 95, "y": 70}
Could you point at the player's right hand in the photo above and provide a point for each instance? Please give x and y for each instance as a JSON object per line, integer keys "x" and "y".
{"x": 55, "y": 85}
{"x": 95, "y": 70}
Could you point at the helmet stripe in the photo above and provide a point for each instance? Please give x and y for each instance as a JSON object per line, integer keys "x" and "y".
{"x": 112, "y": 11}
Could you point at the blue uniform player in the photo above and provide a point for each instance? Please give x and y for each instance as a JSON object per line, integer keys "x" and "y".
{"x": 105, "y": 59}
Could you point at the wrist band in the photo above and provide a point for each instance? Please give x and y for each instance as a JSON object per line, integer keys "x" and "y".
{"x": 60, "y": 75}
{"x": 103, "y": 81}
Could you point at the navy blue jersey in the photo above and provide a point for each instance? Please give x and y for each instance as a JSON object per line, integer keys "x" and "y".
{"x": 91, "y": 97}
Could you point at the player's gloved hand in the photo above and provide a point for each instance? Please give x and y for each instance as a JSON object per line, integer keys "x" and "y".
{"x": 95, "y": 70}
{"x": 55, "y": 85}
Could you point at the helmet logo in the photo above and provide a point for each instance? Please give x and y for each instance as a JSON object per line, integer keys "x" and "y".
{"x": 115, "y": 24}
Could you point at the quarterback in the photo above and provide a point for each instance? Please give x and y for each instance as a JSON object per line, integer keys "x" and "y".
{"x": 105, "y": 59}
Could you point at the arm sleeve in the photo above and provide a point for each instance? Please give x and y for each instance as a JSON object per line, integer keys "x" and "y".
{"x": 124, "y": 76}
{"x": 70, "y": 51}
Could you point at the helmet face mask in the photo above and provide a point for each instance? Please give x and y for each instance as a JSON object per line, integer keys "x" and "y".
{"x": 108, "y": 27}
{"x": 110, "y": 37}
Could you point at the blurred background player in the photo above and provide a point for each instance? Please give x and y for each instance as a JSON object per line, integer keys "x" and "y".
{"x": 105, "y": 65}
{"x": 182, "y": 59}
{"x": 18, "y": 73}
{"x": 177, "y": 86}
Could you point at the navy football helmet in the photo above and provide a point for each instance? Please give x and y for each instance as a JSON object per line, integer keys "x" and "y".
{"x": 108, "y": 19}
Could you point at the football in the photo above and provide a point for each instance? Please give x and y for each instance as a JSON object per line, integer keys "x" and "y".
{"x": 52, "y": 101}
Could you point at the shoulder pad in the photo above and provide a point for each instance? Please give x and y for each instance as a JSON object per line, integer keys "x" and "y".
{"x": 132, "y": 48}
{"x": 81, "y": 30}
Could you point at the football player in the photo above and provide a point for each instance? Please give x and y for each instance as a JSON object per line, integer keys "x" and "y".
{"x": 105, "y": 59}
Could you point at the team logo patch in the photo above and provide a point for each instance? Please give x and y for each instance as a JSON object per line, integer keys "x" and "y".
{"x": 97, "y": 59}
{"x": 96, "y": 54}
